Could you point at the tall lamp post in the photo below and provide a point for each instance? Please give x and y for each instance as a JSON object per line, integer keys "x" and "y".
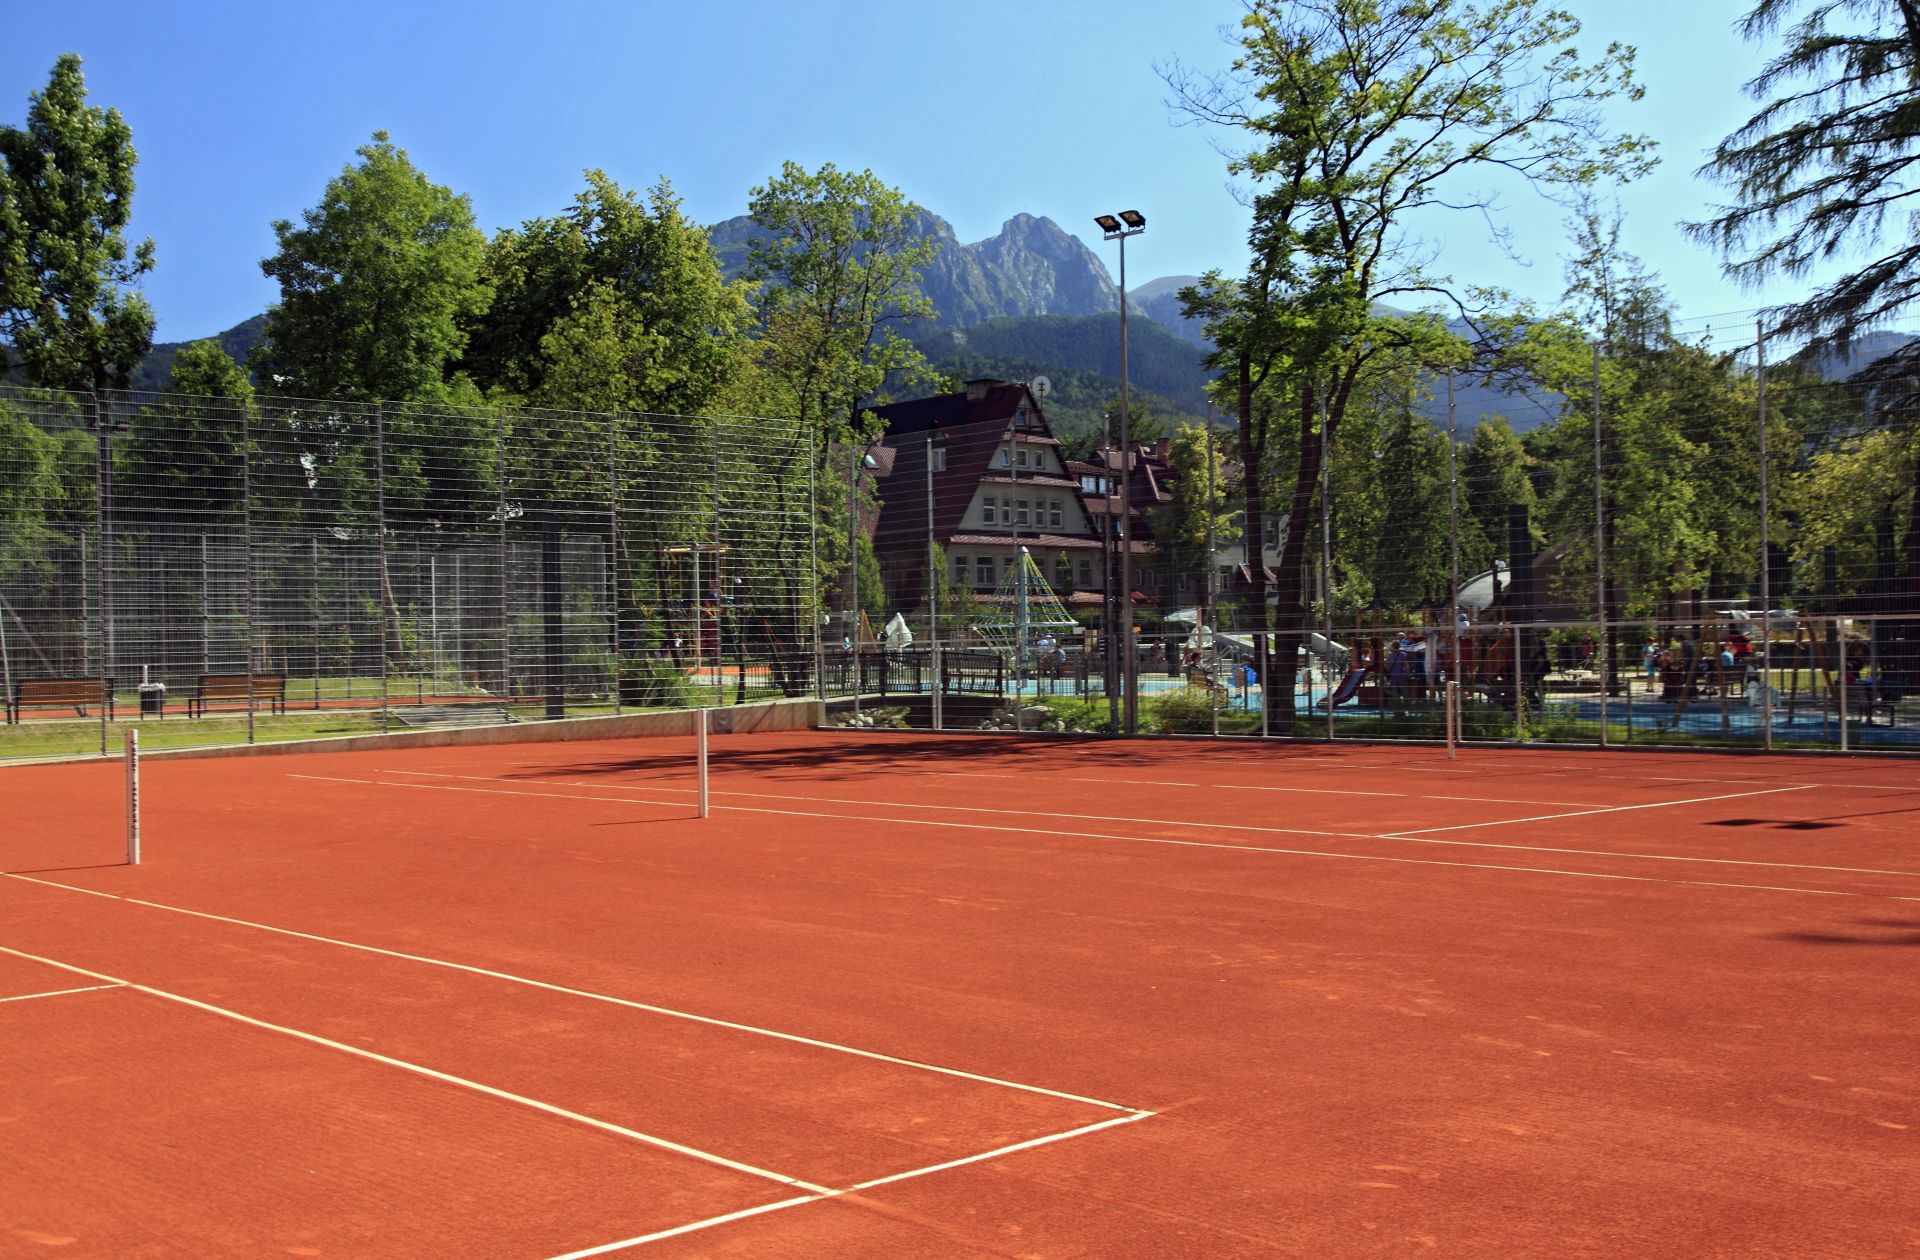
{"x": 1129, "y": 223}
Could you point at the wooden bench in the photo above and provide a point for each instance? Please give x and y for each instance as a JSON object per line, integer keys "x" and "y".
{"x": 270, "y": 688}
{"x": 57, "y": 693}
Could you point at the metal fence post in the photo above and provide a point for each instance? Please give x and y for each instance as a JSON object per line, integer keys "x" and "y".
{"x": 206, "y": 611}
{"x": 1602, "y": 649}
{"x": 380, "y": 536}
{"x": 1326, "y": 576}
{"x": 613, "y": 556}
{"x": 500, "y": 517}
{"x": 934, "y": 578}
{"x": 1840, "y": 646}
{"x": 313, "y": 545}
{"x": 1453, "y": 565}
{"x": 103, "y": 528}
{"x": 1766, "y": 551}
{"x": 813, "y": 576}
{"x": 1519, "y": 685}
{"x": 246, "y": 551}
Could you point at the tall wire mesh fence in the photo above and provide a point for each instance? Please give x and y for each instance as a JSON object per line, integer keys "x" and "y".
{"x": 1717, "y": 555}
{"x": 367, "y": 567}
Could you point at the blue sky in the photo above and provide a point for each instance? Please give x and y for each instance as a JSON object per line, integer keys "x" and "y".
{"x": 242, "y": 112}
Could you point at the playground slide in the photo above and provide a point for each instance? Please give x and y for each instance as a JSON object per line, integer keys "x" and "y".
{"x": 1348, "y": 685}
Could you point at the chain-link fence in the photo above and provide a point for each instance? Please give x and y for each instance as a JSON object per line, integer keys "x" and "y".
{"x": 275, "y": 569}
{"x": 1595, "y": 577}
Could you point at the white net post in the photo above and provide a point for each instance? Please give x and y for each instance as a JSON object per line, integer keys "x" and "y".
{"x": 133, "y": 797}
{"x": 700, "y": 756}
{"x": 1453, "y": 715}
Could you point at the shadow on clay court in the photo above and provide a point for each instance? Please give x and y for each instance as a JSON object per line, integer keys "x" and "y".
{"x": 1899, "y": 932}
{"x": 851, "y": 759}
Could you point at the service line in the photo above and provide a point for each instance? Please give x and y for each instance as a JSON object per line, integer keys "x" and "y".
{"x": 91, "y": 988}
{"x": 1407, "y": 837}
{"x": 729, "y": 1217}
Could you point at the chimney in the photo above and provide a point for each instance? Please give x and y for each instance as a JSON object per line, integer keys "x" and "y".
{"x": 978, "y": 388}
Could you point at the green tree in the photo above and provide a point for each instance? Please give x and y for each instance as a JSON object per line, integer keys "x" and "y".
{"x": 1829, "y": 155}
{"x": 1359, "y": 116}
{"x": 181, "y": 455}
{"x": 1180, "y": 526}
{"x": 68, "y": 313}
{"x": 1494, "y": 479}
{"x": 29, "y": 487}
{"x": 377, "y": 284}
{"x": 638, "y": 270}
{"x": 837, "y": 268}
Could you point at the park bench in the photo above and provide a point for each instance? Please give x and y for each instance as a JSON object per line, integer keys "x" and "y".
{"x": 268, "y": 688}
{"x": 431, "y": 715}
{"x": 57, "y": 693}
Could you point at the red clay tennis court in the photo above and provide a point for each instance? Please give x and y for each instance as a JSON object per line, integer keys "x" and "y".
{"x": 923, "y": 996}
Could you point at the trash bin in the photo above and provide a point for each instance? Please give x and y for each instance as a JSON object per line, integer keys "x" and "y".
{"x": 153, "y": 699}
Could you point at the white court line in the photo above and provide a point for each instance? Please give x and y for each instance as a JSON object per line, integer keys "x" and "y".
{"x": 490, "y": 1091}
{"x": 964, "y": 809}
{"x": 1414, "y": 837}
{"x": 628, "y": 1003}
{"x": 1611, "y": 809}
{"x": 763, "y": 1209}
{"x": 1235, "y": 787}
{"x": 1184, "y": 844}
{"x": 91, "y": 988}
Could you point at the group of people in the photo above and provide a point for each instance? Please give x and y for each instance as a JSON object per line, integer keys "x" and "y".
{"x": 1679, "y": 670}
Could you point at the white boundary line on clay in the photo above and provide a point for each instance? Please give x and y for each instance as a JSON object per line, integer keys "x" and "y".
{"x": 711, "y": 1221}
{"x": 1409, "y": 837}
{"x": 590, "y": 995}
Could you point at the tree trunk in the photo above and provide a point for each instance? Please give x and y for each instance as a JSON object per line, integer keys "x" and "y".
{"x": 1289, "y": 605}
{"x": 1251, "y": 450}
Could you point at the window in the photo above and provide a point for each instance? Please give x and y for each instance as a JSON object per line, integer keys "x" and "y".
{"x": 939, "y": 459}
{"x": 1086, "y": 573}
{"x": 1062, "y": 574}
{"x": 1020, "y": 511}
{"x": 990, "y": 510}
{"x": 1020, "y": 458}
{"x": 1000, "y": 459}
{"x": 1089, "y": 485}
{"x": 1270, "y": 534}
{"x": 983, "y": 571}
{"x": 1054, "y": 518}
{"x": 959, "y": 570}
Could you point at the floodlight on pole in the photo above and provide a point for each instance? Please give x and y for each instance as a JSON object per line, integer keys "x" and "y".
{"x": 1128, "y": 223}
